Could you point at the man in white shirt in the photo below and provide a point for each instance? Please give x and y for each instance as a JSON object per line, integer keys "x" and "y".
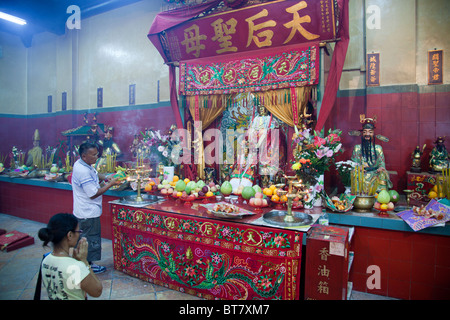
{"x": 87, "y": 201}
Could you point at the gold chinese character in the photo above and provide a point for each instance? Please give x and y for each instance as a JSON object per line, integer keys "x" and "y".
{"x": 192, "y": 38}
{"x": 252, "y": 28}
{"x": 324, "y": 254}
{"x": 222, "y": 33}
{"x": 436, "y": 77}
{"x": 323, "y": 287}
{"x": 254, "y": 72}
{"x": 373, "y": 79}
{"x": 323, "y": 271}
{"x": 296, "y": 23}
{"x": 282, "y": 69}
{"x": 435, "y": 56}
{"x": 373, "y": 59}
{"x": 250, "y": 237}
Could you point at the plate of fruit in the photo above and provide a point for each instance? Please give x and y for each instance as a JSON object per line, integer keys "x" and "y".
{"x": 385, "y": 201}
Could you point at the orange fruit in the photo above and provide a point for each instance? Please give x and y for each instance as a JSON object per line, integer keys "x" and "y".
{"x": 175, "y": 178}
{"x": 267, "y": 192}
{"x": 432, "y": 194}
{"x": 275, "y": 198}
{"x": 186, "y": 180}
{"x": 272, "y": 187}
{"x": 148, "y": 187}
{"x": 283, "y": 198}
{"x": 152, "y": 183}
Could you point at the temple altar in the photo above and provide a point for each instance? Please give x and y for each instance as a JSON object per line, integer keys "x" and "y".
{"x": 190, "y": 250}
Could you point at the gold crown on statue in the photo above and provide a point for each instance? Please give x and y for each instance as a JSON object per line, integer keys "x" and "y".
{"x": 36, "y": 136}
{"x": 367, "y": 123}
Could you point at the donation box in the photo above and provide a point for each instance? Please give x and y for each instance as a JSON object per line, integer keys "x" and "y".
{"x": 327, "y": 263}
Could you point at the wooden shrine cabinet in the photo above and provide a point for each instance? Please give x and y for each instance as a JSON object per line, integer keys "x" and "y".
{"x": 328, "y": 263}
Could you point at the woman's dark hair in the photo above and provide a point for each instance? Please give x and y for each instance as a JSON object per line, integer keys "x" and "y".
{"x": 57, "y": 228}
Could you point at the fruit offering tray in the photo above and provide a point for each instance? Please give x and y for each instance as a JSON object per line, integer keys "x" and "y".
{"x": 226, "y": 210}
{"x": 420, "y": 218}
{"x": 343, "y": 203}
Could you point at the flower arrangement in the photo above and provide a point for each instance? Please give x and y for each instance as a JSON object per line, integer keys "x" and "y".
{"x": 344, "y": 169}
{"x": 160, "y": 144}
{"x": 315, "y": 153}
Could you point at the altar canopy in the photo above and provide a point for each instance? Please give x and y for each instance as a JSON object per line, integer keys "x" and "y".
{"x": 269, "y": 48}
{"x": 184, "y": 34}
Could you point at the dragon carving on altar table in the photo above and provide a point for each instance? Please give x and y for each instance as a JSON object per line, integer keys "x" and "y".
{"x": 231, "y": 278}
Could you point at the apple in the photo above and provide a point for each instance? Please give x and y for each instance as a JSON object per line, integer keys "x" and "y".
{"x": 258, "y": 202}
{"x": 252, "y": 201}
{"x": 377, "y": 205}
{"x": 390, "y": 206}
{"x": 264, "y": 202}
{"x": 163, "y": 191}
{"x": 169, "y": 191}
{"x": 258, "y": 195}
{"x": 160, "y": 186}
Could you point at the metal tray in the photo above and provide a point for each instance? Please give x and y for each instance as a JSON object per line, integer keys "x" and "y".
{"x": 146, "y": 199}
{"x": 276, "y": 217}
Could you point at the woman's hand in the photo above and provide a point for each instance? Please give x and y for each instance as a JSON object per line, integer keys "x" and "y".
{"x": 81, "y": 251}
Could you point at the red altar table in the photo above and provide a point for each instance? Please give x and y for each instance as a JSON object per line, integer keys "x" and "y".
{"x": 190, "y": 250}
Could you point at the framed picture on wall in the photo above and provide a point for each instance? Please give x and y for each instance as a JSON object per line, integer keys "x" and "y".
{"x": 64, "y": 101}
{"x": 132, "y": 95}
{"x": 435, "y": 65}
{"x": 49, "y": 104}
{"x": 99, "y": 97}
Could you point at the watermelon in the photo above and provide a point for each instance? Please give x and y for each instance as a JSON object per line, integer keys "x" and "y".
{"x": 394, "y": 196}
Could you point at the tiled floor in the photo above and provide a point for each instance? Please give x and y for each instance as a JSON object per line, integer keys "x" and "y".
{"x": 18, "y": 272}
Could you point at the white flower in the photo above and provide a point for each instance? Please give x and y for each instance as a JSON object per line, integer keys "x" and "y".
{"x": 165, "y": 153}
{"x": 160, "y": 148}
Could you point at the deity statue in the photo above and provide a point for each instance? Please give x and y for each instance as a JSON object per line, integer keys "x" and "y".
{"x": 109, "y": 146}
{"x": 371, "y": 155}
{"x": 416, "y": 159}
{"x": 439, "y": 157}
{"x": 260, "y": 132}
{"x": 261, "y": 124}
{"x": 34, "y": 157}
{"x": 243, "y": 173}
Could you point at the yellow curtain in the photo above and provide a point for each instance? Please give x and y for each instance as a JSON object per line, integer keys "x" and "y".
{"x": 280, "y": 105}
{"x": 216, "y": 106}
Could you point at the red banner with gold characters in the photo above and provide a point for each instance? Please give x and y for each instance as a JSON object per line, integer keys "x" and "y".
{"x": 286, "y": 67}
{"x": 266, "y": 25}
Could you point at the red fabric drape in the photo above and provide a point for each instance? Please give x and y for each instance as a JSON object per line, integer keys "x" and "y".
{"x": 173, "y": 96}
{"x": 337, "y": 64}
{"x": 172, "y": 18}
{"x": 164, "y": 21}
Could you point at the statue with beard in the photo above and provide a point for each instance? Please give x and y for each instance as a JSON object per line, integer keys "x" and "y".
{"x": 371, "y": 155}
{"x": 439, "y": 157}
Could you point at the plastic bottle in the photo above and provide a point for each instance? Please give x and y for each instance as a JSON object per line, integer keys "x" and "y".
{"x": 323, "y": 219}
